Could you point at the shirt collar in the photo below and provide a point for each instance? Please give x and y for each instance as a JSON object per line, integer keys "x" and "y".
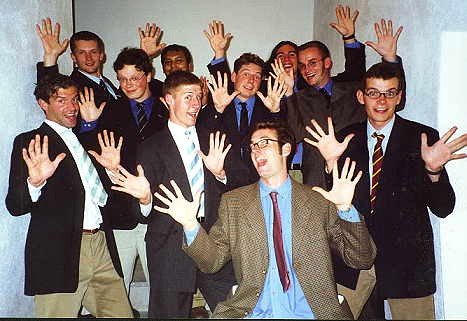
{"x": 284, "y": 190}
{"x": 93, "y": 78}
{"x": 386, "y": 130}
{"x": 146, "y": 103}
{"x": 250, "y": 102}
{"x": 327, "y": 87}
{"x": 180, "y": 130}
{"x": 59, "y": 129}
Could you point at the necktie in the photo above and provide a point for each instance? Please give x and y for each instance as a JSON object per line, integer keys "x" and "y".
{"x": 243, "y": 119}
{"x": 142, "y": 118}
{"x": 325, "y": 94}
{"x": 377, "y": 161}
{"x": 195, "y": 172}
{"x": 278, "y": 246}
{"x": 105, "y": 89}
{"x": 90, "y": 178}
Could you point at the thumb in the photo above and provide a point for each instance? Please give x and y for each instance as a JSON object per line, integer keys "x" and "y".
{"x": 321, "y": 191}
{"x": 347, "y": 139}
{"x": 234, "y": 94}
{"x": 93, "y": 154}
{"x": 201, "y": 154}
{"x": 424, "y": 143}
{"x": 58, "y": 159}
{"x": 371, "y": 44}
{"x": 260, "y": 95}
{"x": 103, "y": 104}
{"x": 140, "y": 170}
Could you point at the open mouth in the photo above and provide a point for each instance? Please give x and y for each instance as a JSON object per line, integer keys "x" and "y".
{"x": 260, "y": 162}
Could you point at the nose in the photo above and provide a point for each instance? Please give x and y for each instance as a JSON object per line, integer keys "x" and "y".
{"x": 381, "y": 99}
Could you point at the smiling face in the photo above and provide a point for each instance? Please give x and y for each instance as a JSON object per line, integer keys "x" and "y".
{"x": 134, "y": 83}
{"x": 270, "y": 161}
{"x": 88, "y": 57}
{"x": 62, "y": 107}
{"x": 247, "y": 80}
{"x": 184, "y": 104}
{"x": 288, "y": 56}
{"x": 175, "y": 60}
{"x": 315, "y": 69}
{"x": 380, "y": 110}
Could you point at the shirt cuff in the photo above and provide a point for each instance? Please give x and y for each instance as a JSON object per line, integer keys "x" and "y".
{"x": 350, "y": 216}
{"x": 191, "y": 235}
{"x": 35, "y": 192}
{"x": 87, "y": 126}
{"x": 146, "y": 209}
{"x": 217, "y": 61}
{"x": 355, "y": 44}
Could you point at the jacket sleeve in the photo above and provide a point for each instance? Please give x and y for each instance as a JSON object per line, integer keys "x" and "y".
{"x": 355, "y": 62}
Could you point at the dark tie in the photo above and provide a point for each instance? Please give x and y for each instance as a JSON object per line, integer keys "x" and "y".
{"x": 142, "y": 118}
{"x": 377, "y": 161}
{"x": 105, "y": 89}
{"x": 325, "y": 94}
{"x": 243, "y": 119}
{"x": 278, "y": 245}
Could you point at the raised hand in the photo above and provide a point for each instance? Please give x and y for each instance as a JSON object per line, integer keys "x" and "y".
{"x": 275, "y": 94}
{"x": 87, "y": 107}
{"x": 136, "y": 186}
{"x": 387, "y": 40}
{"x": 327, "y": 144}
{"x": 110, "y": 154}
{"x": 220, "y": 93}
{"x": 150, "y": 40}
{"x": 279, "y": 73}
{"x": 214, "y": 160}
{"x": 53, "y": 48}
{"x": 40, "y": 167}
{"x": 345, "y": 24}
{"x": 217, "y": 39}
{"x": 181, "y": 210}
{"x": 204, "y": 90}
{"x": 441, "y": 152}
{"x": 343, "y": 186}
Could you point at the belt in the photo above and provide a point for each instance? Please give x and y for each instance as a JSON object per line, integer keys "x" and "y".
{"x": 295, "y": 166}
{"x": 93, "y": 231}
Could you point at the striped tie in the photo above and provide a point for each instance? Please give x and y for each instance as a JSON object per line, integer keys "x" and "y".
{"x": 142, "y": 118}
{"x": 91, "y": 181}
{"x": 377, "y": 161}
{"x": 195, "y": 172}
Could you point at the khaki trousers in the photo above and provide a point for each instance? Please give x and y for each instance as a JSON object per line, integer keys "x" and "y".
{"x": 100, "y": 289}
{"x": 358, "y": 297}
{"x": 412, "y": 308}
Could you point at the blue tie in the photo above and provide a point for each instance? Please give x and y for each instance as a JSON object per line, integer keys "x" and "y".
{"x": 195, "y": 172}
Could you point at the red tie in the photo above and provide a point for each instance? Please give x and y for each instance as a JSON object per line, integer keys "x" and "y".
{"x": 278, "y": 246}
{"x": 377, "y": 161}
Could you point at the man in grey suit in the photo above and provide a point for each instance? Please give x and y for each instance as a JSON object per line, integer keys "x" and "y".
{"x": 279, "y": 235}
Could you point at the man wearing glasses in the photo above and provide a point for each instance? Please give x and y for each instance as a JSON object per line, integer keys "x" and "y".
{"x": 403, "y": 174}
{"x": 135, "y": 116}
{"x": 279, "y": 235}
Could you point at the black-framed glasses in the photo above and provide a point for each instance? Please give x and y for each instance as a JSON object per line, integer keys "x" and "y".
{"x": 375, "y": 93}
{"x": 262, "y": 143}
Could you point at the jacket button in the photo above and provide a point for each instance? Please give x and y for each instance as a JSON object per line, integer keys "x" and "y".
{"x": 264, "y": 272}
{"x": 257, "y": 294}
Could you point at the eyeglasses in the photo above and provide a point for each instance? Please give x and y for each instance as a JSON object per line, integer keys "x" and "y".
{"x": 375, "y": 93}
{"x": 262, "y": 143}
{"x": 131, "y": 80}
{"x": 311, "y": 63}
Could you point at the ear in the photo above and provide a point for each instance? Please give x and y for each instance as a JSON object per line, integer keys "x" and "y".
{"x": 190, "y": 67}
{"x": 286, "y": 149}
{"x": 43, "y": 104}
{"x": 168, "y": 100}
{"x": 73, "y": 57}
{"x": 233, "y": 76}
{"x": 148, "y": 77}
{"x": 359, "y": 95}
{"x": 328, "y": 63}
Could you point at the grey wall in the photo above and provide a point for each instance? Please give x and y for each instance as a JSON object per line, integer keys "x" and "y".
{"x": 433, "y": 46}
{"x": 19, "y": 49}
{"x": 256, "y": 25}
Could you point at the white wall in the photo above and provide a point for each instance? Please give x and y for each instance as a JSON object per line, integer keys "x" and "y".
{"x": 19, "y": 49}
{"x": 433, "y": 46}
{"x": 256, "y": 25}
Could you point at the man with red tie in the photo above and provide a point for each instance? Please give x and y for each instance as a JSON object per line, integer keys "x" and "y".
{"x": 279, "y": 235}
{"x": 403, "y": 174}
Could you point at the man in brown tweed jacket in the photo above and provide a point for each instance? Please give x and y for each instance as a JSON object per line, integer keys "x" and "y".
{"x": 296, "y": 281}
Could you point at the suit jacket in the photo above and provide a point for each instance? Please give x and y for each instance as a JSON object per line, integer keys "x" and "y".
{"x": 170, "y": 268}
{"x": 118, "y": 118}
{"x": 53, "y": 241}
{"x": 240, "y": 235}
{"x": 99, "y": 94}
{"x": 400, "y": 226}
